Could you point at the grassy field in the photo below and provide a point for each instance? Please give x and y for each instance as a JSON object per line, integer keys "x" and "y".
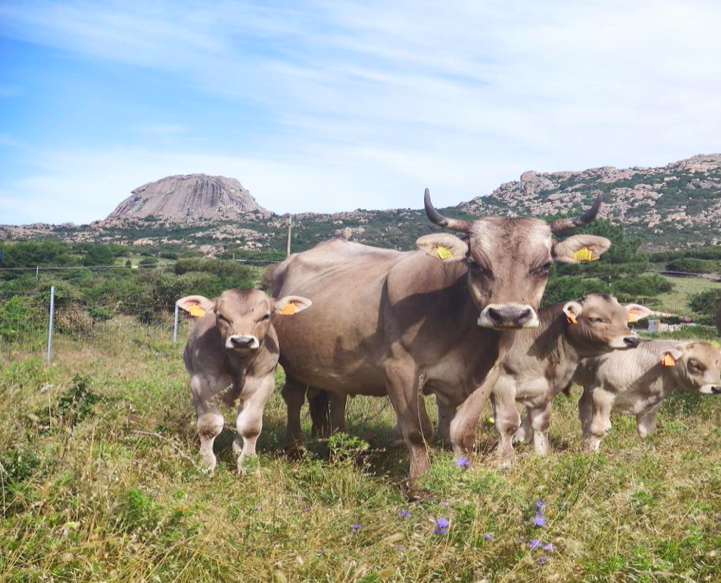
{"x": 675, "y": 301}
{"x": 99, "y": 483}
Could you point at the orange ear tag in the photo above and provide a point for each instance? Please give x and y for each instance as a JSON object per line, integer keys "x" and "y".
{"x": 289, "y": 310}
{"x": 632, "y": 317}
{"x": 668, "y": 360}
{"x": 571, "y": 319}
{"x": 196, "y": 311}
{"x": 444, "y": 252}
{"x": 584, "y": 254}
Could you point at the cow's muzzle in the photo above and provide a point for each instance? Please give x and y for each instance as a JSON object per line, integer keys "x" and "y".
{"x": 242, "y": 342}
{"x": 632, "y": 341}
{"x": 710, "y": 390}
{"x": 508, "y": 316}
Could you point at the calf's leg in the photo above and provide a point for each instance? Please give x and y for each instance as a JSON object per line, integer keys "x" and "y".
{"x": 585, "y": 412}
{"x": 337, "y": 413}
{"x": 446, "y": 412}
{"x": 540, "y": 420}
{"x": 646, "y": 422}
{"x": 507, "y": 417}
{"x": 209, "y": 422}
{"x": 250, "y": 415}
{"x": 601, "y": 423}
{"x": 524, "y": 433}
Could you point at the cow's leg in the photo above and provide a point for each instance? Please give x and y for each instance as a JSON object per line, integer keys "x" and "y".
{"x": 337, "y": 413}
{"x": 446, "y": 412}
{"x": 294, "y": 397}
{"x": 407, "y": 399}
{"x": 465, "y": 421}
{"x": 540, "y": 420}
{"x": 506, "y": 413}
{"x": 646, "y": 422}
{"x": 209, "y": 422}
{"x": 585, "y": 412}
{"x": 601, "y": 422}
{"x": 524, "y": 433}
{"x": 250, "y": 414}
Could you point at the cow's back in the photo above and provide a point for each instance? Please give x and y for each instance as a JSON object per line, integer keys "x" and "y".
{"x": 335, "y": 344}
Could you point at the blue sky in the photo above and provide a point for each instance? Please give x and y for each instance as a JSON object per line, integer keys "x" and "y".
{"x": 336, "y": 105}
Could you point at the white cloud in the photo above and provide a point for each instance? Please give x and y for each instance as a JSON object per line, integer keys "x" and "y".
{"x": 371, "y": 101}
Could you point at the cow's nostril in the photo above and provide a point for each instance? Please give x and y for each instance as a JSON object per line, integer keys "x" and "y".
{"x": 495, "y": 315}
{"x": 241, "y": 341}
{"x": 632, "y": 341}
{"x": 716, "y": 390}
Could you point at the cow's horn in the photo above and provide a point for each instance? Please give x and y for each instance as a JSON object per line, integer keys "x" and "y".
{"x": 440, "y": 220}
{"x": 564, "y": 224}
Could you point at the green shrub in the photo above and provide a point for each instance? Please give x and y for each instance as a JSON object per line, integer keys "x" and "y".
{"x": 692, "y": 265}
{"x": 16, "y": 314}
{"x": 642, "y": 285}
{"x": 704, "y": 303}
{"x": 570, "y": 287}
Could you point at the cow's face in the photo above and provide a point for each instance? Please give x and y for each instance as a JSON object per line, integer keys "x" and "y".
{"x": 698, "y": 366}
{"x": 509, "y": 260}
{"x": 242, "y": 316}
{"x": 597, "y": 324}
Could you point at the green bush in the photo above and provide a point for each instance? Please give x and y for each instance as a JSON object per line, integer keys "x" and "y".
{"x": 642, "y": 285}
{"x": 704, "y": 303}
{"x": 569, "y": 287}
{"x": 16, "y": 314}
{"x": 692, "y": 265}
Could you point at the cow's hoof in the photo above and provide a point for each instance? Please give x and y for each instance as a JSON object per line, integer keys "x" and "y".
{"x": 415, "y": 493}
{"x": 249, "y": 466}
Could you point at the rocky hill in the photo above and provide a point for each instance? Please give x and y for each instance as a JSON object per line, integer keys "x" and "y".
{"x": 674, "y": 206}
{"x": 193, "y": 197}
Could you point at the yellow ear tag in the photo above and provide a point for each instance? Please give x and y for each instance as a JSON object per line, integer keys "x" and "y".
{"x": 571, "y": 319}
{"x": 632, "y": 317}
{"x": 668, "y": 360}
{"x": 196, "y": 311}
{"x": 444, "y": 252}
{"x": 289, "y": 310}
{"x": 584, "y": 254}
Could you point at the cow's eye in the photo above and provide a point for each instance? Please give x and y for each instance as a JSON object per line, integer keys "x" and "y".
{"x": 222, "y": 318}
{"x": 543, "y": 269}
{"x": 596, "y": 320}
{"x": 479, "y": 269}
{"x": 695, "y": 365}
{"x": 264, "y": 318}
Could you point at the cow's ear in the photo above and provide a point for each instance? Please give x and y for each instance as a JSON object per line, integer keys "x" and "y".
{"x": 672, "y": 355}
{"x": 580, "y": 248}
{"x": 572, "y": 310}
{"x": 443, "y": 246}
{"x": 291, "y": 305}
{"x": 637, "y": 312}
{"x": 196, "y": 306}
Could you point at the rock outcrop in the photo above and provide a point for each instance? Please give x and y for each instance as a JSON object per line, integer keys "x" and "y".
{"x": 193, "y": 197}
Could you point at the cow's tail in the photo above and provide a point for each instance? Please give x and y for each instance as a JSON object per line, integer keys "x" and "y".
{"x": 319, "y": 405}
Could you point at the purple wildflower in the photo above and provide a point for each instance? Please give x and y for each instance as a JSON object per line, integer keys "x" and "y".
{"x": 541, "y": 506}
{"x": 489, "y": 536}
{"x": 542, "y": 560}
{"x": 355, "y": 529}
{"x": 534, "y": 543}
{"x": 539, "y": 520}
{"x": 442, "y": 525}
{"x": 404, "y": 514}
{"x": 550, "y": 547}
{"x": 400, "y": 549}
{"x": 462, "y": 463}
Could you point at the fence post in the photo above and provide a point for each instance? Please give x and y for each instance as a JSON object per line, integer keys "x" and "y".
{"x": 290, "y": 235}
{"x": 175, "y": 325}
{"x": 50, "y": 324}
{"x": 37, "y": 272}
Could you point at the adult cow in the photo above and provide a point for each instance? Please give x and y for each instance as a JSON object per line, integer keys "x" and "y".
{"x": 404, "y": 323}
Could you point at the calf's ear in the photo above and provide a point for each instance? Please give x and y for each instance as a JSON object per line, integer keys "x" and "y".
{"x": 580, "y": 248}
{"x": 291, "y": 305}
{"x": 572, "y": 310}
{"x": 196, "y": 306}
{"x": 637, "y": 312}
{"x": 671, "y": 356}
{"x": 443, "y": 246}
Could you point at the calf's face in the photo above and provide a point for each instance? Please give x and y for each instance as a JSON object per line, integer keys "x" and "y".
{"x": 242, "y": 316}
{"x": 698, "y": 366}
{"x": 597, "y": 324}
